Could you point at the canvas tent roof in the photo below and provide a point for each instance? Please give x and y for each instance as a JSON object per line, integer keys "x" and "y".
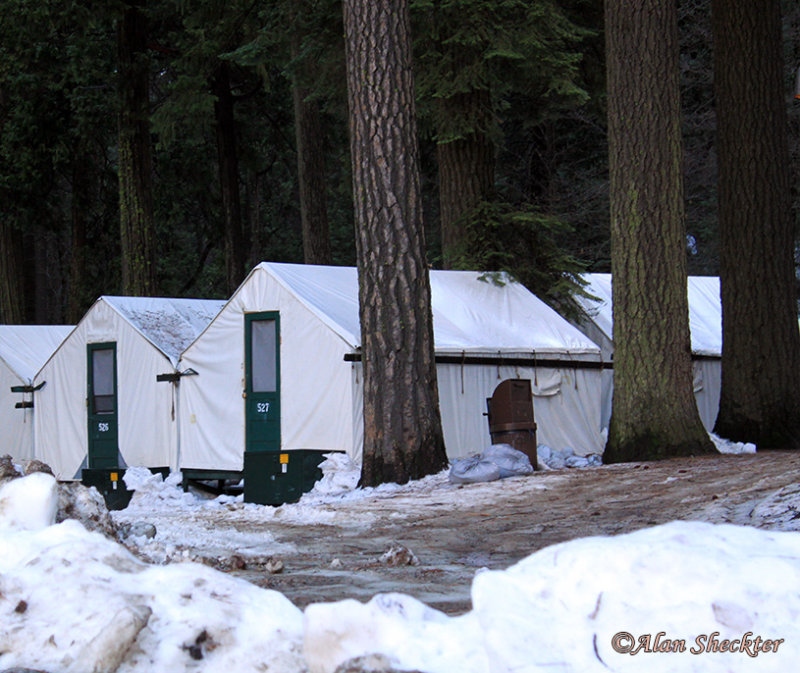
{"x": 169, "y": 323}
{"x": 705, "y": 310}
{"x": 25, "y": 348}
{"x": 483, "y": 333}
{"x": 147, "y": 335}
{"x": 470, "y": 315}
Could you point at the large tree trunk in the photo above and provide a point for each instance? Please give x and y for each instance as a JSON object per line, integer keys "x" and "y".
{"x": 235, "y": 255}
{"x": 135, "y": 156}
{"x": 311, "y": 175}
{"x": 402, "y": 427}
{"x": 654, "y": 414}
{"x": 253, "y": 216}
{"x": 12, "y": 280}
{"x": 466, "y": 163}
{"x": 79, "y": 208}
{"x": 466, "y": 169}
{"x": 44, "y": 262}
{"x": 760, "y": 398}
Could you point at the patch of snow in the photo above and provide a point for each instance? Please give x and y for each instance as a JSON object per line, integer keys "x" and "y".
{"x": 340, "y": 475}
{"x": 779, "y": 511}
{"x": 405, "y": 633}
{"x": 561, "y": 608}
{"x": 170, "y": 324}
{"x": 29, "y": 503}
{"x": 185, "y": 521}
{"x": 729, "y": 447}
{"x": 75, "y": 601}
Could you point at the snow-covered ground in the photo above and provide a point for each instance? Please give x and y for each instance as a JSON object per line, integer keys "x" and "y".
{"x": 718, "y": 597}
{"x": 187, "y": 521}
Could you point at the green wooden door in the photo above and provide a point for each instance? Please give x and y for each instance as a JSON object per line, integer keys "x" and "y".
{"x": 102, "y": 403}
{"x": 262, "y": 382}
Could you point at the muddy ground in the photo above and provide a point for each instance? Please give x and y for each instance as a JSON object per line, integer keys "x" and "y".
{"x": 456, "y": 531}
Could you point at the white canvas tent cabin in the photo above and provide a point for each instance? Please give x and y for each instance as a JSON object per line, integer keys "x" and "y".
{"x": 23, "y": 350}
{"x": 288, "y": 342}
{"x": 705, "y": 325}
{"x": 102, "y": 406}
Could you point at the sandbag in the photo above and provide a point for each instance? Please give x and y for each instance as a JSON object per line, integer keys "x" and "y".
{"x": 512, "y": 463}
{"x": 473, "y": 470}
{"x": 497, "y": 462}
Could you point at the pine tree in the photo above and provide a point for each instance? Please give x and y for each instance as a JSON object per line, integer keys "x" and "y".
{"x": 135, "y": 154}
{"x": 474, "y": 56}
{"x": 402, "y": 426}
{"x": 654, "y": 414}
{"x": 760, "y": 396}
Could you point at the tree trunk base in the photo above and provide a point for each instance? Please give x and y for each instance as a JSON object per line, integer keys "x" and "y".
{"x": 650, "y": 446}
{"x": 778, "y": 433}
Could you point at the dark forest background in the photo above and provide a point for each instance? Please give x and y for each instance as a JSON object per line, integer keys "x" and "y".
{"x": 248, "y": 134}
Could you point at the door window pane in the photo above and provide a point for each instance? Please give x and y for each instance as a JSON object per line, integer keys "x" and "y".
{"x": 263, "y": 357}
{"x": 103, "y": 380}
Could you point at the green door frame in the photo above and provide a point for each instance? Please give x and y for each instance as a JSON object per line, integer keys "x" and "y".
{"x": 102, "y": 412}
{"x": 262, "y": 381}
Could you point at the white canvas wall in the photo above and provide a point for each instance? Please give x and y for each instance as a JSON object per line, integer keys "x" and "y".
{"x": 23, "y": 350}
{"x": 566, "y": 405}
{"x": 147, "y": 431}
{"x": 316, "y": 395}
{"x": 707, "y": 385}
{"x": 321, "y": 394}
{"x": 16, "y": 436}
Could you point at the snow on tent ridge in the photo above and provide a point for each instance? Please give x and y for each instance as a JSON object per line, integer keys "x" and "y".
{"x": 25, "y": 348}
{"x": 720, "y": 598}
{"x": 169, "y": 323}
{"x": 471, "y": 312}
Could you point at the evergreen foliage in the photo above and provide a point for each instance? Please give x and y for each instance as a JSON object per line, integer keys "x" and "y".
{"x": 523, "y": 244}
{"x": 541, "y": 63}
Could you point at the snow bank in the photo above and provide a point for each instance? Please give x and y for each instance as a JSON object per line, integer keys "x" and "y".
{"x": 398, "y": 631}
{"x": 340, "y": 474}
{"x": 29, "y": 503}
{"x": 75, "y": 601}
{"x": 697, "y": 588}
{"x": 565, "y": 607}
{"x": 720, "y": 597}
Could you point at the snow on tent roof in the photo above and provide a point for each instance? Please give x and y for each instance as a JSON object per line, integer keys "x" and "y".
{"x": 25, "y": 348}
{"x": 705, "y": 310}
{"x": 170, "y": 324}
{"x": 469, "y": 314}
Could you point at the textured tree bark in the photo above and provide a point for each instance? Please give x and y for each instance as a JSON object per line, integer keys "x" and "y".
{"x": 135, "y": 156}
{"x": 42, "y": 259}
{"x": 760, "y": 397}
{"x": 79, "y": 208}
{"x": 654, "y": 414}
{"x": 311, "y": 176}
{"x": 12, "y": 280}
{"x": 466, "y": 170}
{"x": 227, "y": 159}
{"x": 253, "y": 216}
{"x": 402, "y": 426}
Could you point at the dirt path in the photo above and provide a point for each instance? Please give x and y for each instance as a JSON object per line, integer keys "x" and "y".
{"x": 491, "y": 526}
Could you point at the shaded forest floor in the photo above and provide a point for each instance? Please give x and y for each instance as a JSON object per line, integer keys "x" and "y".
{"x": 453, "y": 531}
